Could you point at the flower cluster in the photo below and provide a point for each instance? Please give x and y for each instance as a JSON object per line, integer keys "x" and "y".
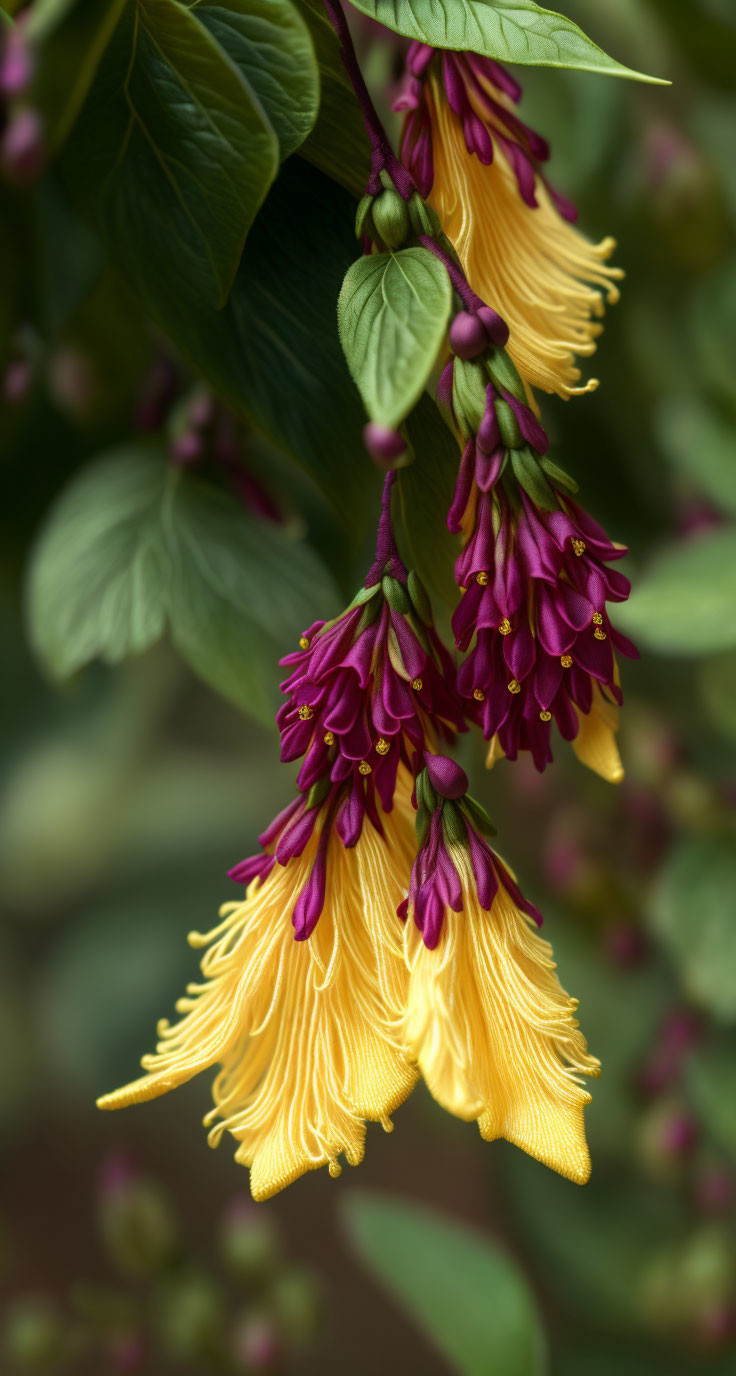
{"x": 318, "y": 1035}
{"x": 482, "y": 169}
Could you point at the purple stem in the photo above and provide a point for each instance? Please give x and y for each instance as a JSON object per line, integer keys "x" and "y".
{"x": 382, "y": 156}
{"x": 468, "y": 297}
{"x": 386, "y": 551}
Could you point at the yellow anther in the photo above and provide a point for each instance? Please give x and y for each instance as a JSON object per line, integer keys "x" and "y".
{"x": 545, "y": 716}
{"x": 328, "y": 738}
{"x": 305, "y": 713}
{"x": 335, "y": 1169}
{"x": 566, "y": 661}
{"x": 514, "y": 686}
{"x": 481, "y": 578}
{"x": 416, "y": 684}
{"x": 303, "y": 643}
{"x": 382, "y": 746}
{"x": 364, "y": 767}
{"x": 597, "y": 619}
{"x": 578, "y": 546}
{"x": 599, "y": 633}
{"x": 479, "y": 695}
{"x": 505, "y": 627}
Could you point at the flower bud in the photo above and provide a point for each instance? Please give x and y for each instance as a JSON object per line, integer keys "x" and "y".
{"x": 187, "y": 448}
{"x": 136, "y": 1224}
{"x": 256, "y": 1344}
{"x": 297, "y": 1303}
{"x": 16, "y": 381}
{"x": 191, "y": 1316}
{"x": 21, "y": 147}
{"x": 33, "y": 1338}
{"x": 391, "y": 218}
{"x": 446, "y": 776}
{"x": 249, "y": 1242}
{"x": 468, "y": 336}
{"x": 383, "y": 445}
{"x": 496, "y": 328}
{"x": 16, "y": 63}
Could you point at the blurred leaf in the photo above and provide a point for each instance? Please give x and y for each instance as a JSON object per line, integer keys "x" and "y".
{"x": 693, "y": 916}
{"x": 713, "y": 324}
{"x": 338, "y": 144}
{"x": 424, "y": 494}
{"x": 464, "y": 1294}
{"x": 717, "y": 680}
{"x": 712, "y": 1083}
{"x": 506, "y": 30}
{"x": 684, "y": 603}
{"x": 172, "y": 152}
{"x": 70, "y": 258}
{"x": 270, "y": 45}
{"x": 392, "y": 314}
{"x": 701, "y": 445}
{"x": 134, "y": 544}
{"x": 69, "y": 38}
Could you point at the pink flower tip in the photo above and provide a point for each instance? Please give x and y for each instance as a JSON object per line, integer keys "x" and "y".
{"x": 446, "y": 776}
{"x": 383, "y": 445}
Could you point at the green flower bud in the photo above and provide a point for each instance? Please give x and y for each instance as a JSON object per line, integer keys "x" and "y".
{"x": 529, "y": 475}
{"x": 420, "y": 597}
{"x": 391, "y": 218}
{"x": 248, "y": 1240}
{"x": 469, "y": 384}
{"x": 558, "y": 475}
{"x": 423, "y": 218}
{"x": 453, "y": 825}
{"x": 503, "y": 373}
{"x": 297, "y": 1303}
{"x": 395, "y": 594}
{"x": 137, "y": 1227}
{"x": 508, "y": 425}
{"x": 191, "y": 1317}
{"x": 33, "y": 1337}
{"x": 477, "y": 816}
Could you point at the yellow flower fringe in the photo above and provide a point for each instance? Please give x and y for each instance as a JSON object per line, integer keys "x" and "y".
{"x": 530, "y": 265}
{"x": 305, "y": 1032}
{"x": 595, "y": 744}
{"x": 495, "y": 1034}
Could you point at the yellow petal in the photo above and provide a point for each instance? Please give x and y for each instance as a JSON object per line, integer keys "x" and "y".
{"x": 595, "y": 743}
{"x": 306, "y": 1033}
{"x": 494, "y": 1033}
{"x": 496, "y": 752}
{"x": 534, "y": 268}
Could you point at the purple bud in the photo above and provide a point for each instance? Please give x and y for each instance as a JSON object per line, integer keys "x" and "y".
{"x": 496, "y": 327}
{"x": 201, "y": 410}
{"x": 446, "y": 777}
{"x": 679, "y": 1134}
{"x": 257, "y": 1345}
{"x": 21, "y": 147}
{"x": 17, "y": 381}
{"x": 714, "y": 1191}
{"x": 383, "y": 445}
{"x": 187, "y": 448}
{"x": 444, "y": 386}
{"x": 16, "y": 64}
{"x": 468, "y": 336}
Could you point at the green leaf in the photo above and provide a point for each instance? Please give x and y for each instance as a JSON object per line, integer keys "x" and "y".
{"x": 270, "y": 45}
{"x": 338, "y": 144}
{"x": 712, "y": 1083}
{"x": 506, "y": 30}
{"x": 464, "y": 1294}
{"x": 172, "y": 153}
{"x": 684, "y": 604}
{"x": 392, "y": 315}
{"x": 700, "y": 445}
{"x": 693, "y": 915}
{"x": 424, "y": 492}
{"x": 134, "y": 545}
{"x": 69, "y": 38}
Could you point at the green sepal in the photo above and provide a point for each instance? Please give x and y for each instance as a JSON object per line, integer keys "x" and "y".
{"x": 422, "y": 823}
{"x": 423, "y": 218}
{"x": 394, "y": 654}
{"x": 508, "y": 425}
{"x": 371, "y": 613}
{"x": 477, "y": 816}
{"x": 426, "y": 794}
{"x": 364, "y": 595}
{"x": 420, "y": 597}
{"x": 503, "y": 373}
{"x": 529, "y": 475}
{"x": 559, "y": 476}
{"x": 362, "y": 220}
{"x": 318, "y": 792}
{"x": 420, "y": 631}
{"x": 395, "y": 594}
{"x": 453, "y": 825}
{"x": 468, "y": 395}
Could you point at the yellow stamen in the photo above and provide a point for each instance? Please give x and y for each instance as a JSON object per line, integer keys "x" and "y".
{"x": 578, "y": 546}
{"x": 303, "y": 643}
{"x": 364, "y": 767}
{"x": 481, "y": 578}
{"x": 416, "y": 684}
{"x": 479, "y": 695}
{"x": 545, "y": 716}
{"x": 382, "y": 746}
{"x": 566, "y": 661}
{"x": 505, "y": 627}
{"x": 599, "y": 633}
{"x": 597, "y": 619}
{"x": 305, "y": 713}
{"x": 328, "y": 738}
{"x": 514, "y": 686}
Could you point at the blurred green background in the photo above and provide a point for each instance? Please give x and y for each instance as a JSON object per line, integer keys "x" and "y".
{"x": 128, "y": 791}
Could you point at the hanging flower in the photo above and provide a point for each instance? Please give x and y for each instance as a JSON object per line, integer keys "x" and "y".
{"x": 493, "y": 1032}
{"x": 535, "y": 583}
{"x": 483, "y": 171}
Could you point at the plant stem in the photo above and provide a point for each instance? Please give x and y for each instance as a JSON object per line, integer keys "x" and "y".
{"x": 386, "y": 551}
{"x": 468, "y": 297}
{"x": 382, "y": 155}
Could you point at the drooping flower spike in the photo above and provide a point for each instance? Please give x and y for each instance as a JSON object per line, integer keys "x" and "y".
{"x": 493, "y": 1032}
{"x": 533, "y": 575}
{"x": 306, "y": 1031}
{"x": 482, "y": 170}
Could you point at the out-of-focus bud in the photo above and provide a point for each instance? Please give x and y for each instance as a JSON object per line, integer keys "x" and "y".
{"x": 714, "y": 1190}
{"x": 136, "y": 1222}
{"x": 127, "y": 1351}
{"x": 16, "y": 382}
{"x": 158, "y": 392}
{"x": 390, "y": 214}
{"x": 678, "y": 1034}
{"x": 201, "y": 409}
{"x": 191, "y": 1318}
{"x": 72, "y": 382}
{"x": 296, "y": 1299}
{"x": 688, "y": 1291}
{"x": 22, "y": 147}
{"x": 256, "y": 1344}
{"x": 249, "y": 1242}
{"x": 715, "y": 1326}
{"x": 16, "y": 62}
{"x": 667, "y": 1138}
{"x": 468, "y": 336}
{"x": 625, "y": 946}
{"x": 187, "y": 448}
{"x": 33, "y": 1334}
{"x": 384, "y": 446}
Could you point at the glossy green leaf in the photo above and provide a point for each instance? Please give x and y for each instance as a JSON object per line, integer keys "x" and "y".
{"x": 393, "y": 314}
{"x": 699, "y": 443}
{"x": 693, "y": 913}
{"x": 270, "y": 45}
{"x": 506, "y": 30}
{"x": 684, "y": 604}
{"x": 464, "y": 1294}
{"x": 69, "y": 38}
{"x": 172, "y": 153}
{"x": 134, "y": 546}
